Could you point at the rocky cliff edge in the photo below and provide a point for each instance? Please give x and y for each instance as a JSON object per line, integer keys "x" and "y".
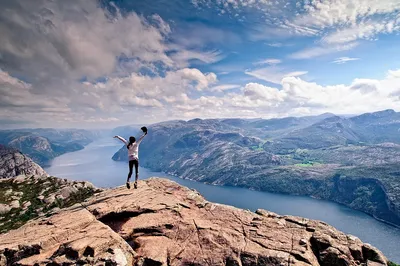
{"x": 163, "y": 223}
{"x": 14, "y": 163}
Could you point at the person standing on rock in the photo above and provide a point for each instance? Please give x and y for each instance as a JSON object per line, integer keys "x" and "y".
{"x": 133, "y": 155}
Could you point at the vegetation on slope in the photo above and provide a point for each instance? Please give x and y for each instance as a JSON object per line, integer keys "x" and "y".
{"x": 24, "y": 198}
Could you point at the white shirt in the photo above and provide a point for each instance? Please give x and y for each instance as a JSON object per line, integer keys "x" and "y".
{"x": 133, "y": 149}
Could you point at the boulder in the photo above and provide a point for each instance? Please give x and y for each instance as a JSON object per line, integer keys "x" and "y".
{"x": 15, "y": 204}
{"x": 4, "y": 208}
{"x": 67, "y": 191}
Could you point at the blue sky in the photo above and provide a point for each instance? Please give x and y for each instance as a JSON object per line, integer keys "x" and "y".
{"x": 233, "y": 35}
{"x": 107, "y": 63}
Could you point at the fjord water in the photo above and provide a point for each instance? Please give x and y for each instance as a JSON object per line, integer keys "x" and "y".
{"x": 94, "y": 164}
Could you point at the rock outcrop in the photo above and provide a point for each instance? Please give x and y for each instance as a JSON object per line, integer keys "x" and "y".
{"x": 163, "y": 223}
{"x": 26, "y": 197}
{"x": 14, "y": 163}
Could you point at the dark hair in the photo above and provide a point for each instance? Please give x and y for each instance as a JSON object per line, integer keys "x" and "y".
{"x": 131, "y": 141}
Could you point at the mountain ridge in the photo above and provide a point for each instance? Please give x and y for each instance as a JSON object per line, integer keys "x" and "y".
{"x": 44, "y": 144}
{"x": 277, "y": 158}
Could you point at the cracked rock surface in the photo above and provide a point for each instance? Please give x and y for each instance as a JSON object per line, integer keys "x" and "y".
{"x": 163, "y": 223}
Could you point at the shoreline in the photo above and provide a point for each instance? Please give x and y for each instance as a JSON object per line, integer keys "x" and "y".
{"x": 280, "y": 193}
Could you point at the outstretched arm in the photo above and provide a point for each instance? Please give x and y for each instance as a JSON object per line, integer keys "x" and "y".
{"x": 141, "y": 138}
{"x": 121, "y": 139}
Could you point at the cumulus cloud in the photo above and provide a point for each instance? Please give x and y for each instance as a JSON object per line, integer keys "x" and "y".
{"x": 363, "y": 95}
{"x": 393, "y": 74}
{"x": 75, "y": 63}
{"x": 78, "y": 61}
{"x": 162, "y": 98}
{"x": 295, "y": 97}
{"x": 44, "y": 39}
{"x": 18, "y": 95}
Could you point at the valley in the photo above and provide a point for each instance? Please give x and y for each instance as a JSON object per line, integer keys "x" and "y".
{"x": 353, "y": 161}
{"x": 44, "y": 144}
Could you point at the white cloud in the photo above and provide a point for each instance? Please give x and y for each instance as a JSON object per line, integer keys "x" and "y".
{"x": 333, "y": 22}
{"x": 165, "y": 98}
{"x": 224, "y": 87}
{"x": 17, "y": 95}
{"x": 268, "y": 61}
{"x": 343, "y": 60}
{"x": 234, "y": 5}
{"x": 328, "y": 13}
{"x": 364, "y": 30}
{"x": 299, "y": 97}
{"x": 144, "y": 65}
{"x": 393, "y": 74}
{"x": 257, "y": 91}
{"x": 273, "y": 74}
{"x": 182, "y": 57}
{"x": 48, "y": 39}
{"x": 275, "y": 44}
{"x": 54, "y": 45}
{"x": 203, "y": 80}
{"x": 344, "y": 21}
{"x": 322, "y": 50}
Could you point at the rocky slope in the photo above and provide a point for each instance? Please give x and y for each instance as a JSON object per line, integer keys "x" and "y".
{"x": 25, "y": 197}
{"x": 163, "y": 223}
{"x": 13, "y": 163}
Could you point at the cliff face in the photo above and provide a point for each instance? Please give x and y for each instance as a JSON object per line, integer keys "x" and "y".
{"x": 13, "y": 163}
{"x": 42, "y": 145}
{"x": 163, "y": 223}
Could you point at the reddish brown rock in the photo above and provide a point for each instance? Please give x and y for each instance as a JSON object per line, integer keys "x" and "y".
{"x": 163, "y": 223}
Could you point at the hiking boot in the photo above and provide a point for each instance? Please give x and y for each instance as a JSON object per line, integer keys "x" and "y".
{"x": 128, "y": 185}
{"x": 135, "y": 185}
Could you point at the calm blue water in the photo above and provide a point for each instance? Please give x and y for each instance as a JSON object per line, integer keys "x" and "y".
{"x": 94, "y": 164}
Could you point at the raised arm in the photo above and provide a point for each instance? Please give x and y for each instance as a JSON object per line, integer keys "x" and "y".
{"x": 141, "y": 138}
{"x": 121, "y": 139}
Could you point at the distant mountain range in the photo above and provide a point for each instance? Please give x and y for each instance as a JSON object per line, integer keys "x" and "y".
{"x": 42, "y": 145}
{"x": 353, "y": 160}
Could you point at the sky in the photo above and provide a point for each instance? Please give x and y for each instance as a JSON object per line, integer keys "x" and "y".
{"x": 98, "y": 64}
